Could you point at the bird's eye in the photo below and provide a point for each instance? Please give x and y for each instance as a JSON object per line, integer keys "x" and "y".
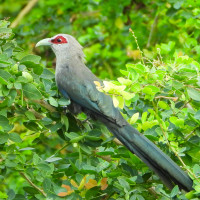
{"x": 59, "y": 40}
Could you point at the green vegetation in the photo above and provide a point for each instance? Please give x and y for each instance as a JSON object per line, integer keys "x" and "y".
{"x": 46, "y": 152}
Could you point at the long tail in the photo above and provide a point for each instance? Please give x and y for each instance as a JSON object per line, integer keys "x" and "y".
{"x": 168, "y": 171}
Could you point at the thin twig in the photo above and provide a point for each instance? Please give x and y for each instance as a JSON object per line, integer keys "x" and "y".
{"x": 191, "y": 86}
{"x": 188, "y": 135}
{"x": 24, "y": 11}
{"x": 59, "y": 150}
{"x": 36, "y": 114}
{"x": 46, "y": 105}
{"x": 164, "y": 97}
{"x": 168, "y": 143}
{"x": 115, "y": 140}
{"x": 152, "y": 191}
{"x": 138, "y": 47}
{"x": 152, "y": 30}
{"x": 32, "y": 184}
{"x": 107, "y": 158}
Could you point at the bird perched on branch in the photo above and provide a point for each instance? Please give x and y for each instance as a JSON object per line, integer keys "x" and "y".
{"x": 77, "y": 83}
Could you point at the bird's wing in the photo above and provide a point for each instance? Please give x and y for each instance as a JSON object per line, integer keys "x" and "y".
{"x": 85, "y": 93}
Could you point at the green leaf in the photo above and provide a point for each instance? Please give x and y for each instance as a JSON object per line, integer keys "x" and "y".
{"x": 120, "y": 102}
{"x": 65, "y": 121}
{"x": 115, "y": 101}
{"x": 81, "y": 116}
{"x": 15, "y": 137}
{"x": 193, "y": 93}
{"x": 127, "y": 95}
{"x": 30, "y": 115}
{"x": 32, "y": 58}
{"x": 47, "y": 74}
{"x": 151, "y": 89}
{"x": 3, "y": 195}
{"x": 126, "y": 73}
{"x": 124, "y": 183}
{"x": 197, "y": 188}
{"x": 5, "y": 33}
{"x": 197, "y": 115}
{"x": 56, "y": 127}
{"x": 53, "y": 102}
{"x": 31, "y": 190}
{"x": 174, "y": 191}
{"x": 89, "y": 169}
{"x": 44, "y": 167}
{"x": 11, "y": 194}
{"x": 77, "y": 139}
{"x": 36, "y": 159}
{"x": 196, "y": 169}
{"x": 3, "y": 81}
{"x": 53, "y": 159}
{"x": 63, "y": 101}
{"x": 3, "y": 137}
{"x": 47, "y": 185}
{"x": 134, "y": 118}
{"x": 27, "y": 76}
{"x": 31, "y": 125}
{"x": 124, "y": 81}
{"x": 144, "y": 117}
{"x": 27, "y": 149}
{"x": 10, "y": 163}
{"x": 4, "y": 123}
{"x": 4, "y": 77}
{"x": 31, "y": 92}
{"x": 176, "y": 121}
{"x": 149, "y": 124}
{"x": 163, "y": 105}
{"x": 86, "y": 149}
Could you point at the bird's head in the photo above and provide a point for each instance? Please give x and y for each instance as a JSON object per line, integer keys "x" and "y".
{"x": 63, "y": 45}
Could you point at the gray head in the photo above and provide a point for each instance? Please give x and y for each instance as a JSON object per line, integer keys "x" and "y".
{"x": 64, "y": 46}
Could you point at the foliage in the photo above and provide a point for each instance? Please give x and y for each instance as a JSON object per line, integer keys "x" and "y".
{"x": 45, "y": 151}
{"x": 56, "y": 152}
{"x": 102, "y": 28}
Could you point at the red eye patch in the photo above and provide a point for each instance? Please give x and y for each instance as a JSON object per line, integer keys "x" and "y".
{"x": 59, "y": 40}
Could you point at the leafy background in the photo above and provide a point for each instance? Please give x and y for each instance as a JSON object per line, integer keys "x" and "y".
{"x": 47, "y": 153}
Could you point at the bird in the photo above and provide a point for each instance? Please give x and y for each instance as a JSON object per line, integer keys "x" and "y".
{"x": 76, "y": 82}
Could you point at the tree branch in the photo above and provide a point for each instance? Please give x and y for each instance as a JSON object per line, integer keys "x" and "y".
{"x": 45, "y": 105}
{"x": 152, "y": 30}
{"x": 164, "y": 97}
{"x": 32, "y": 184}
{"x": 24, "y": 11}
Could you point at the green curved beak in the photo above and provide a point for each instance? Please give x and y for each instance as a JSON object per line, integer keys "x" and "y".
{"x": 44, "y": 42}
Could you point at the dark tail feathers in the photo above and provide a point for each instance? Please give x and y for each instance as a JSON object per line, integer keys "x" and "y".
{"x": 168, "y": 171}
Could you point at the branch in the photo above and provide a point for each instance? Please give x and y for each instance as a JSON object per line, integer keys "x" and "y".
{"x": 152, "y": 30}
{"x": 110, "y": 72}
{"x": 45, "y": 105}
{"x": 24, "y": 11}
{"x": 171, "y": 148}
{"x": 107, "y": 158}
{"x": 138, "y": 47}
{"x": 115, "y": 140}
{"x": 32, "y": 184}
{"x": 36, "y": 114}
{"x": 164, "y": 97}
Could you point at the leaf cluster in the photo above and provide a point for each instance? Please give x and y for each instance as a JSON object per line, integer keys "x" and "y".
{"x": 48, "y": 153}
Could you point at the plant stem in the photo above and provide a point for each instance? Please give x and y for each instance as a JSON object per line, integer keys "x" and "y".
{"x": 59, "y": 150}
{"x": 152, "y": 30}
{"x": 168, "y": 143}
{"x": 138, "y": 47}
{"x": 32, "y": 184}
{"x": 24, "y": 11}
